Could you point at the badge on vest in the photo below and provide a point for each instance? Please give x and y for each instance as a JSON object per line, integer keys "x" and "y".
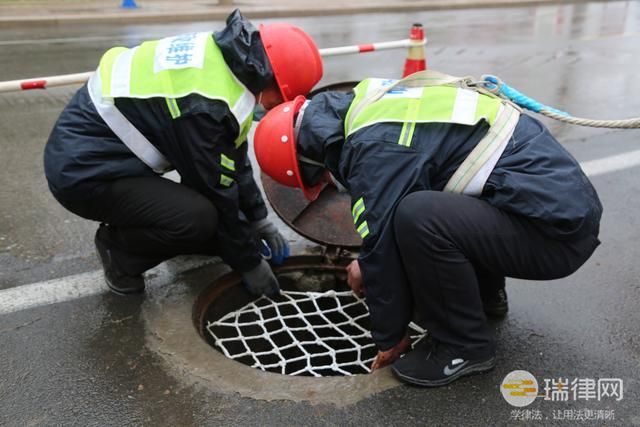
{"x": 398, "y": 91}
{"x": 183, "y": 51}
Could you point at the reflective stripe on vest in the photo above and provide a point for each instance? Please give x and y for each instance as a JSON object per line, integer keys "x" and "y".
{"x": 128, "y": 134}
{"x": 175, "y": 67}
{"x": 438, "y": 104}
{"x": 432, "y": 104}
{"x": 474, "y": 171}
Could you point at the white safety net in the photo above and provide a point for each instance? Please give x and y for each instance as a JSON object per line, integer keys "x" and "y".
{"x": 301, "y": 333}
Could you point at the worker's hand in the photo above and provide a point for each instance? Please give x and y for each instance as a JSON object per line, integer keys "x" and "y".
{"x": 261, "y": 280}
{"x": 387, "y": 357}
{"x": 354, "y": 278}
{"x": 264, "y": 230}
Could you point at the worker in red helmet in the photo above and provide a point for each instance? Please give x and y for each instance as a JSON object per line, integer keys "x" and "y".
{"x": 182, "y": 103}
{"x": 452, "y": 189}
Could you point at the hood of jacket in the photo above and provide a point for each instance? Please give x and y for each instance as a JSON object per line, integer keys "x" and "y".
{"x": 321, "y": 134}
{"x": 244, "y": 52}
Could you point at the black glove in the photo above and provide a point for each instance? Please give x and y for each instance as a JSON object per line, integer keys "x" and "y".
{"x": 278, "y": 246}
{"x": 261, "y": 280}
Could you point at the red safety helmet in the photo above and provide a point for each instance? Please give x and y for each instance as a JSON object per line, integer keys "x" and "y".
{"x": 275, "y": 147}
{"x": 294, "y": 58}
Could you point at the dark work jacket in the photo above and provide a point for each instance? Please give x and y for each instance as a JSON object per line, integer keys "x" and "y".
{"x": 535, "y": 178}
{"x": 83, "y": 155}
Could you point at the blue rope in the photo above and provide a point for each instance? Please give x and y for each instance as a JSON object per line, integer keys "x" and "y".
{"x": 496, "y": 85}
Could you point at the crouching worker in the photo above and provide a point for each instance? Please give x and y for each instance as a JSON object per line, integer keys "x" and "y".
{"x": 183, "y": 103}
{"x": 453, "y": 189}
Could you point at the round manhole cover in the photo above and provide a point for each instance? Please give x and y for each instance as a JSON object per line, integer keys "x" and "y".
{"x": 315, "y": 327}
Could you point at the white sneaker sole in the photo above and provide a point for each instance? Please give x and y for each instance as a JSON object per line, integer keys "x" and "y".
{"x": 475, "y": 368}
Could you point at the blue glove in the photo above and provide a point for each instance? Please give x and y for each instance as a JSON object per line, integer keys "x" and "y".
{"x": 273, "y": 245}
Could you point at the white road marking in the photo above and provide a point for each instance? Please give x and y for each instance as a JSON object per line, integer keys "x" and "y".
{"x": 51, "y": 292}
{"x": 612, "y": 163}
{"x": 92, "y": 283}
{"x": 607, "y": 36}
{"x": 87, "y": 284}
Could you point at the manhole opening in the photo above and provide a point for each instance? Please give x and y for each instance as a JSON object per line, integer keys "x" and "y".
{"x": 316, "y": 327}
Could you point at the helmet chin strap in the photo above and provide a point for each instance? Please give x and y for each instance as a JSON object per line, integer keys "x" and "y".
{"x": 304, "y": 159}
{"x": 296, "y": 127}
{"x": 341, "y": 188}
{"x": 296, "y": 132}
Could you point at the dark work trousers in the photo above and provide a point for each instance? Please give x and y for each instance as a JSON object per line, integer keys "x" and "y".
{"x": 150, "y": 219}
{"x": 454, "y": 245}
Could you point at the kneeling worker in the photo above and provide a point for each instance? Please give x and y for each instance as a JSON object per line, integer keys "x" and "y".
{"x": 453, "y": 189}
{"x": 183, "y": 103}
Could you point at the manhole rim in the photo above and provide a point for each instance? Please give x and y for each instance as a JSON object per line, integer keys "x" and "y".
{"x": 297, "y": 262}
{"x": 211, "y": 293}
{"x": 169, "y": 315}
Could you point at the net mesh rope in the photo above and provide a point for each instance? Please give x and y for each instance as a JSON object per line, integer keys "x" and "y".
{"x": 301, "y": 333}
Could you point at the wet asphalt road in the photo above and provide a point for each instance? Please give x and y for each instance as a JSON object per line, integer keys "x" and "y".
{"x": 85, "y": 362}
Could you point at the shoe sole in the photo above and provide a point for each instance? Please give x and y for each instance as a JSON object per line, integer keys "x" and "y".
{"x": 469, "y": 370}
{"x": 117, "y": 291}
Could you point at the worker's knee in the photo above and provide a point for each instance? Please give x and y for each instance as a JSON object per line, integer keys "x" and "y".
{"x": 415, "y": 211}
{"x": 418, "y": 216}
{"x": 199, "y": 222}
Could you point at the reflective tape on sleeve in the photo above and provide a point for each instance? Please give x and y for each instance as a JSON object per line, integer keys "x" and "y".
{"x": 227, "y": 163}
{"x": 363, "y": 230}
{"x": 358, "y": 209}
{"x": 225, "y": 180}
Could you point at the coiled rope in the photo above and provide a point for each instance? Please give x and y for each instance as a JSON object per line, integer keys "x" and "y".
{"x": 494, "y": 85}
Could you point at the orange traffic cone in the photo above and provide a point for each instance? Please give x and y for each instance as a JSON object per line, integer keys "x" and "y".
{"x": 416, "y": 58}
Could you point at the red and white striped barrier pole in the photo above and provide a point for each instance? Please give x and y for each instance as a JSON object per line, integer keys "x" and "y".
{"x": 69, "y": 79}
{"x": 44, "y": 82}
{"x": 372, "y": 47}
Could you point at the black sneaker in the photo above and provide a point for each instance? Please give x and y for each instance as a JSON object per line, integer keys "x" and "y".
{"x": 117, "y": 281}
{"x": 438, "y": 365}
{"x": 496, "y": 303}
